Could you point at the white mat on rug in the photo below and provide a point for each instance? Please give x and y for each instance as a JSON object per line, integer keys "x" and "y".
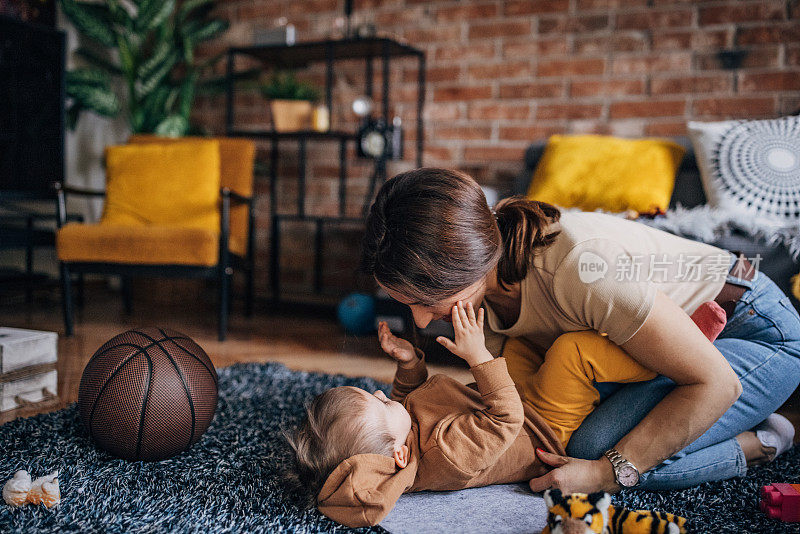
{"x": 500, "y": 509}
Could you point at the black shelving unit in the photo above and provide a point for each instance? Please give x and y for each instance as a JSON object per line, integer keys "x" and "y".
{"x": 298, "y": 56}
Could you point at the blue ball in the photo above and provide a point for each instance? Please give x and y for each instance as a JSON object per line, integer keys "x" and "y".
{"x": 356, "y": 313}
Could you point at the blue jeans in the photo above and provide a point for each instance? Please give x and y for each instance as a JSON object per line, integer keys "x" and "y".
{"x": 761, "y": 341}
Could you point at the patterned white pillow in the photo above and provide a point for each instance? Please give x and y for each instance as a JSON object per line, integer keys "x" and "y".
{"x": 751, "y": 165}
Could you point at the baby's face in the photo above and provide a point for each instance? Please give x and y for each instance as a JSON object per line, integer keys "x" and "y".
{"x": 392, "y": 413}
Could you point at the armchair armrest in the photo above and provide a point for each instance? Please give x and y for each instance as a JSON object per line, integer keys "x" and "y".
{"x": 235, "y": 197}
{"x": 61, "y": 200}
{"x": 77, "y": 191}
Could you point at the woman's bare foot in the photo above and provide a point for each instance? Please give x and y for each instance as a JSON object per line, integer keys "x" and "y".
{"x": 755, "y": 453}
{"x": 767, "y": 441}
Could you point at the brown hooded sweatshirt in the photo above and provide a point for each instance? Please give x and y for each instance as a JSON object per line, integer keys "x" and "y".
{"x": 461, "y": 437}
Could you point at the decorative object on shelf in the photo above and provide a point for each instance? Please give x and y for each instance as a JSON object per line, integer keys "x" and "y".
{"x": 291, "y": 101}
{"x": 283, "y": 34}
{"x": 356, "y": 313}
{"x": 376, "y": 138}
{"x": 321, "y": 118}
{"x": 155, "y": 42}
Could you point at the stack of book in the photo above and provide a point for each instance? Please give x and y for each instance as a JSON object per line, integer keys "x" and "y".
{"x": 27, "y": 367}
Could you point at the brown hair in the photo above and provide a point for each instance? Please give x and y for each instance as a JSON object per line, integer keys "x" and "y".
{"x": 335, "y": 428}
{"x": 430, "y": 234}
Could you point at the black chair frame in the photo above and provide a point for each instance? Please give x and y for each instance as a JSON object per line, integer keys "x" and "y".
{"x": 222, "y": 271}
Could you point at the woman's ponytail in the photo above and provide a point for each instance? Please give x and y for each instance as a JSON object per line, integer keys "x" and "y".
{"x": 523, "y": 224}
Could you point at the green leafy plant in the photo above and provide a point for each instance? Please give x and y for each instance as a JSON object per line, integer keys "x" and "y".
{"x": 150, "y": 46}
{"x": 283, "y": 85}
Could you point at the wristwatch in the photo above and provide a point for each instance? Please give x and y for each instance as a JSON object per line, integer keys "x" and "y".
{"x": 625, "y": 472}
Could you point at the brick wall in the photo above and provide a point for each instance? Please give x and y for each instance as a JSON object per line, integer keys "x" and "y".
{"x": 504, "y": 73}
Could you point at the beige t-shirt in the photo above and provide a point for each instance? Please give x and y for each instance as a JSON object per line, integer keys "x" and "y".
{"x": 602, "y": 273}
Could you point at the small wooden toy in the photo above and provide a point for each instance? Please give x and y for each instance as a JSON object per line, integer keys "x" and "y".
{"x": 781, "y": 501}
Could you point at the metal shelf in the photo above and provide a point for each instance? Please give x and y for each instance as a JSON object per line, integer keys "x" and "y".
{"x": 301, "y": 54}
{"x": 271, "y": 134}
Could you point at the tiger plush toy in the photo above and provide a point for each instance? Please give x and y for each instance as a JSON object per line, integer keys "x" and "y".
{"x": 579, "y": 513}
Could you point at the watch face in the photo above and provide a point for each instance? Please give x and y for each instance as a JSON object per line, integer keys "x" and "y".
{"x": 628, "y": 476}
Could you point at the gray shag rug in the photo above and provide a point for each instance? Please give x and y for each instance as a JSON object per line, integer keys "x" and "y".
{"x": 229, "y": 481}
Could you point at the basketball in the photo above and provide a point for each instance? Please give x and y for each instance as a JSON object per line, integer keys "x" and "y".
{"x": 148, "y": 394}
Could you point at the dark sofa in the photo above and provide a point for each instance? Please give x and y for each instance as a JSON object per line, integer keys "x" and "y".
{"x": 776, "y": 261}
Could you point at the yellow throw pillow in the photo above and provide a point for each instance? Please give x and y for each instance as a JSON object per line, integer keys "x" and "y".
{"x": 600, "y": 172}
{"x": 171, "y": 184}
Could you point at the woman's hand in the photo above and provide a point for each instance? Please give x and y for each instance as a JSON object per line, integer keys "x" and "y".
{"x": 469, "y": 342}
{"x": 399, "y": 349}
{"x": 572, "y": 475}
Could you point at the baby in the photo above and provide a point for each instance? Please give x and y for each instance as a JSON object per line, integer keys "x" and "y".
{"x": 359, "y": 451}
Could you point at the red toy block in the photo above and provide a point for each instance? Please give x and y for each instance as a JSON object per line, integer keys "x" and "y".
{"x": 781, "y": 501}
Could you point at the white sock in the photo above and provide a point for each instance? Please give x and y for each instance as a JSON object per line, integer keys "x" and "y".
{"x": 776, "y": 431}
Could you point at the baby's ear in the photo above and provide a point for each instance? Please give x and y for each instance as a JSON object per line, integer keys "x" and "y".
{"x": 401, "y": 456}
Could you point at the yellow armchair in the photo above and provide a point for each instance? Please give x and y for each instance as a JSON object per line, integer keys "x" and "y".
{"x": 179, "y": 207}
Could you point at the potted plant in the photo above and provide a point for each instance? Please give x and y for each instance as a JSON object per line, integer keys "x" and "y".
{"x": 150, "y": 45}
{"x": 290, "y": 101}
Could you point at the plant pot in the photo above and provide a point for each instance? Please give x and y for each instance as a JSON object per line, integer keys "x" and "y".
{"x": 290, "y": 115}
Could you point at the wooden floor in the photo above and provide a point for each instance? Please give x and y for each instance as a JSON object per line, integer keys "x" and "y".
{"x": 300, "y": 342}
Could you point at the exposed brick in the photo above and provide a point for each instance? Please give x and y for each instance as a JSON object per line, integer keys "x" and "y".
{"x": 462, "y": 93}
{"x": 691, "y": 84}
{"x": 585, "y": 5}
{"x": 769, "y": 81}
{"x": 744, "y": 12}
{"x": 789, "y": 105}
{"x": 437, "y": 34}
{"x": 734, "y": 107}
{"x": 607, "y": 87}
{"x": 448, "y": 52}
{"x": 534, "y": 7}
{"x": 527, "y": 133}
{"x": 438, "y": 111}
{"x": 575, "y": 24}
{"x": 532, "y": 90}
{"x": 617, "y": 42}
{"x": 649, "y": 108}
{"x": 583, "y": 127}
{"x": 434, "y": 74}
{"x": 767, "y": 56}
{"x": 535, "y": 47}
{"x": 498, "y": 110}
{"x": 774, "y": 33}
{"x": 440, "y": 153}
{"x": 681, "y": 40}
{"x": 569, "y": 111}
{"x": 493, "y": 153}
{"x": 459, "y": 13}
{"x": 571, "y": 67}
{"x": 655, "y": 18}
{"x": 506, "y": 69}
{"x": 793, "y": 55}
{"x": 499, "y": 29}
{"x": 665, "y": 61}
{"x": 462, "y": 132}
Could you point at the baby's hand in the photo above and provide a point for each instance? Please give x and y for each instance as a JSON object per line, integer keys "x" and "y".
{"x": 398, "y": 348}
{"x": 469, "y": 342}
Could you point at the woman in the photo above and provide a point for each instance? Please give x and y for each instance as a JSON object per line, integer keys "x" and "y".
{"x": 432, "y": 240}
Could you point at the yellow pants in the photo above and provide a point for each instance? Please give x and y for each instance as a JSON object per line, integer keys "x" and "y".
{"x": 560, "y": 386}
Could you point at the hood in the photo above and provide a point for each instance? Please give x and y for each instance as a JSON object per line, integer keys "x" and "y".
{"x": 363, "y": 489}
